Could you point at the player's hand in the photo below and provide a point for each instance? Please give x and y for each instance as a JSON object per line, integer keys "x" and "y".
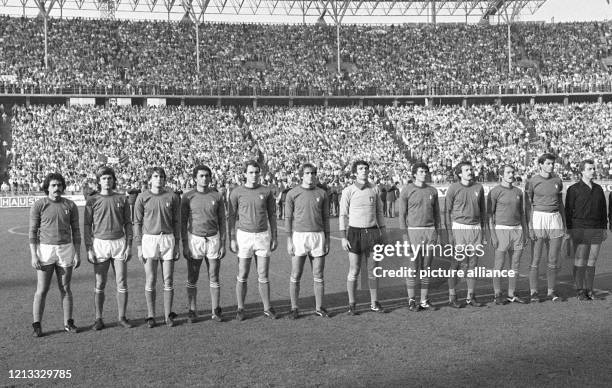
{"x": 76, "y": 259}
{"x": 222, "y": 249}
{"x": 141, "y": 258}
{"x": 346, "y": 245}
{"x": 451, "y": 238}
{"x": 91, "y": 256}
{"x": 290, "y": 247}
{"x": 127, "y": 255}
{"x": 35, "y": 262}
{"x": 233, "y": 246}
{"x": 186, "y": 252}
{"x": 566, "y": 235}
{"x": 494, "y": 240}
{"x": 176, "y": 253}
{"x": 274, "y": 244}
{"x": 383, "y": 235}
{"x": 532, "y": 235}
{"x": 326, "y": 247}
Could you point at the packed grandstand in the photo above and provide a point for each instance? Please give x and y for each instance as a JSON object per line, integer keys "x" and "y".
{"x": 144, "y": 57}
{"x": 152, "y": 58}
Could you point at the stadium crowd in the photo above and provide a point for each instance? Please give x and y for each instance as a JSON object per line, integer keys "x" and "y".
{"x": 136, "y": 57}
{"x": 77, "y": 139}
{"x": 490, "y": 135}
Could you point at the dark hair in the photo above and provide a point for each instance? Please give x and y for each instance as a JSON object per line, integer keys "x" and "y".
{"x": 546, "y": 157}
{"x": 251, "y": 163}
{"x": 54, "y": 176}
{"x": 153, "y": 170}
{"x": 418, "y": 165}
{"x": 311, "y": 166}
{"x": 105, "y": 170}
{"x": 459, "y": 167}
{"x": 357, "y": 163}
{"x": 502, "y": 169}
{"x": 200, "y": 167}
{"x": 584, "y": 163}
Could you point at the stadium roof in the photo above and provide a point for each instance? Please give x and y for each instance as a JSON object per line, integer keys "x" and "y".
{"x": 336, "y": 10}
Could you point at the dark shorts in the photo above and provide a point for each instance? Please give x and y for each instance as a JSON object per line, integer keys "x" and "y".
{"x": 581, "y": 235}
{"x": 362, "y": 240}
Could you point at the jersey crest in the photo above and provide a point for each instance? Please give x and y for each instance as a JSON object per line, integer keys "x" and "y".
{"x": 371, "y": 199}
{"x": 476, "y": 193}
{"x": 318, "y": 199}
{"x": 261, "y": 196}
{"x": 213, "y": 202}
{"x": 167, "y": 204}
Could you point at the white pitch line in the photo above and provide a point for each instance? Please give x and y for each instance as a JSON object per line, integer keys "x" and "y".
{"x": 12, "y": 231}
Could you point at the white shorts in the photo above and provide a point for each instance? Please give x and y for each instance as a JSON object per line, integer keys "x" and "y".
{"x": 249, "y": 243}
{"x": 108, "y": 249}
{"x": 201, "y": 247}
{"x": 467, "y": 234}
{"x": 312, "y": 243}
{"x": 158, "y": 246}
{"x": 61, "y": 255}
{"x": 547, "y": 225}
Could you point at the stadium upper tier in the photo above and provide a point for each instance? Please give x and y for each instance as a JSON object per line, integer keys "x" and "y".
{"x": 158, "y": 58}
{"x": 53, "y": 138}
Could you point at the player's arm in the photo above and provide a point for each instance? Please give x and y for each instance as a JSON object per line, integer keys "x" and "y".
{"x": 524, "y": 221}
{"x": 529, "y": 209}
{"x": 289, "y": 205}
{"x": 271, "y": 205}
{"x": 325, "y": 217}
{"x": 570, "y": 202}
{"x": 128, "y": 229}
{"x": 88, "y": 230}
{"x": 436, "y": 210}
{"x": 34, "y": 234}
{"x": 343, "y": 217}
{"x": 380, "y": 215}
{"x": 610, "y": 211}
{"x": 562, "y": 208}
{"x": 448, "y": 217}
{"x": 76, "y": 233}
{"x": 232, "y": 208}
{"x": 185, "y": 214}
{"x": 222, "y": 227}
{"x": 403, "y": 214}
{"x": 176, "y": 224}
{"x": 138, "y": 218}
{"x": 491, "y": 207}
{"x": 484, "y": 223}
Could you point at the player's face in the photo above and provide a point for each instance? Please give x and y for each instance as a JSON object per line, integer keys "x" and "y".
{"x": 508, "y": 175}
{"x": 55, "y": 189}
{"x": 309, "y": 177}
{"x": 252, "y": 175}
{"x": 548, "y": 166}
{"x": 362, "y": 173}
{"x": 589, "y": 171}
{"x": 421, "y": 174}
{"x": 106, "y": 182}
{"x": 467, "y": 173}
{"x": 157, "y": 181}
{"x": 203, "y": 178}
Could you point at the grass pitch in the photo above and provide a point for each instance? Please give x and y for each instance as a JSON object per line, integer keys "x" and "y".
{"x": 545, "y": 344}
